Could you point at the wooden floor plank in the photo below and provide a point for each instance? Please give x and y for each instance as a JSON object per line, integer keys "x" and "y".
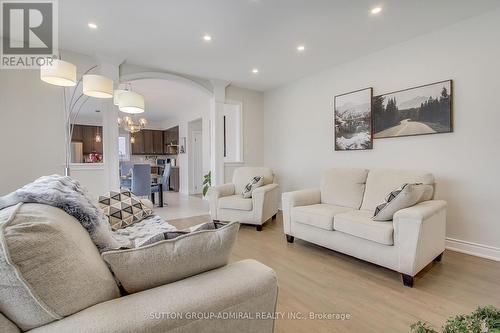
{"x": 315, "y": 279}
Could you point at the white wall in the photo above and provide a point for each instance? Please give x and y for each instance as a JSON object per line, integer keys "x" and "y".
{"x": 298, "y": 123}
{"x": 253, "y": 129}
{"x": 32, "y": 135}
{"x": 32, "y": 132}
{"x": 200, "y": 112}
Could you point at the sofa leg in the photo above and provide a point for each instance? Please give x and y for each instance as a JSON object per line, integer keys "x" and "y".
{"x": 258, "y": 227}
{"x": 289, "y": 238}
{"x": 407, "y": 280}
{"x": 274, "y": 216}
{"x": 439, "y": 258}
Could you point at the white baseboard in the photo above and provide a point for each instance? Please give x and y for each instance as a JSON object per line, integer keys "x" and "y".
{"x": 474, "y": 249}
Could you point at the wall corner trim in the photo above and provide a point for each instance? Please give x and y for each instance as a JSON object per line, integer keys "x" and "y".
{"x": 474, "y": 249}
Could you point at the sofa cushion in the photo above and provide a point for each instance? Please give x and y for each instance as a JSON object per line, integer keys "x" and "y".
{"x": 174, "y": 259}
{"x": 359, "y": 223}
{"x": 236, "y": 202}
{"x": 343, "y": 187}
{"x": 319, "y": 215}
{"x": 49, "y": 266}
{"x": 6, "y": 326}
{"x": 382, "y": 181}
{"x": 243, "y": 175}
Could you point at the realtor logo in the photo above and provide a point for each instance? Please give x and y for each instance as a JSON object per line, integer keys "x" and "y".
{"x": 29, "y": 33}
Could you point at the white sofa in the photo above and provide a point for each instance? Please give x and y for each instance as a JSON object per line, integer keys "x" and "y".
{"x": 338, "y": 216}
{"x": 228, "y": 204}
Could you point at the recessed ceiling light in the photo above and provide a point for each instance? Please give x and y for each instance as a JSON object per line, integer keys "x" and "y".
{"x": 92, "y": 25}
{"x": 207, "y": 38}
{"x": 301, "y": 48}
{"x": 255, "y": 70}
{"x": 376, "y": 10}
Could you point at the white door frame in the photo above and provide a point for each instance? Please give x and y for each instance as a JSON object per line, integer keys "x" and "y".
{"x": 196, "y": 162}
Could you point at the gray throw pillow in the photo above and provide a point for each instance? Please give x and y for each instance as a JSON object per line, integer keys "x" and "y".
{"x": 171, "y": 260}
{"x": 404, "y": 196}
{"x": 256, "y": 181}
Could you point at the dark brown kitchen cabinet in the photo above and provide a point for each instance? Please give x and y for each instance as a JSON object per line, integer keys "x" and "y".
{"x": 158, "y": 142}
{"x": 138, "y": 145}
{"x": 171, "y": 139}
{"x": 148, "y": 142}
{"x": 87, "y": 134}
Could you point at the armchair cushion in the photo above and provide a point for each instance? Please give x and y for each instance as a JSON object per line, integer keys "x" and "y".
{"x": 236, "y": 202}
{"x": 319, "y": 215}
{"x": 171, "y": 260}
{"x": 359, "y": 223}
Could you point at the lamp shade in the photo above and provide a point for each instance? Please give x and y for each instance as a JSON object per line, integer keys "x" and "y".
{"x": 59, "y": 73}
{"x": 116, "y": 95}
{"x": 97, "y": 86}
{"x": 131, "y": 102}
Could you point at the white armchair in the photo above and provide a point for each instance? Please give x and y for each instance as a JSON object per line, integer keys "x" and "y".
{"x": 227, "y": 203}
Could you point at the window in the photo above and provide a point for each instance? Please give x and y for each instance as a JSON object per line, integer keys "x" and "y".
{"x": 123, "y": 147}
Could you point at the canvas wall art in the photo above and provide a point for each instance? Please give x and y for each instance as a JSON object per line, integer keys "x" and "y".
{"x": 353, "y": 120}
{"x": 416, "y": 111}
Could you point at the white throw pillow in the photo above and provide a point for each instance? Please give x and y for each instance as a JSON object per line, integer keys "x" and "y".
{"x": 404, "y": 196}
{"x": 172, "y": 260}
{"x": 256, "y": 181}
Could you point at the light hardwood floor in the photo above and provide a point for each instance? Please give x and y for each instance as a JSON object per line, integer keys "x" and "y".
{"x": 315, "y": 279}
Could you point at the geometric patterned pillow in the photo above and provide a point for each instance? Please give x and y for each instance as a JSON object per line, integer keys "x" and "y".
{"x": 123, "y": 208}
{"x": 256, "y": 181}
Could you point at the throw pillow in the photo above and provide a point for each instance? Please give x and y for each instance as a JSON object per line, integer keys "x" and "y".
{"x": 256, "y": 181}
{"x": 172, "y": 260}
{"x": 123, "y": 208}
{"x": 404, "y": 196}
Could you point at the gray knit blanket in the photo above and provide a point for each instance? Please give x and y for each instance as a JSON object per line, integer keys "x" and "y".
{"x": 67, "y": 194}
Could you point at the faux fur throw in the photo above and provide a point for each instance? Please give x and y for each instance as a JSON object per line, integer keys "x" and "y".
{"x": 67, "y": 194}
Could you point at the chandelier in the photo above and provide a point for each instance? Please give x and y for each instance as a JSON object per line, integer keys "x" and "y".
{"x": 130, "y": 125}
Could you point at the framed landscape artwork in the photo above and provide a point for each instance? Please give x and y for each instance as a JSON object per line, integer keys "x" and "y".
{"x": 416, "y": 111}
{"x": 353, "y": 120}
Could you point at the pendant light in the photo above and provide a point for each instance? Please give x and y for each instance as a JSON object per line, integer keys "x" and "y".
{"x": 97, "y": 86}
{"x": 131, "y": 102}
{"x": 59, "y": 73}
{"x": 116, "y": 95}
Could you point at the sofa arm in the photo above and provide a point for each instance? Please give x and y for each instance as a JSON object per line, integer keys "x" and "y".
{"x": 265, "y": 202}
{"x": 195, "y": 304}
{"x": 216, "y": 192}
{"x": 419, "y": 234}
{"x": 297, "y": 198}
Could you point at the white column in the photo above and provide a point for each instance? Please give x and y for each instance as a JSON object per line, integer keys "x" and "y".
{"x": 110, "y": 68}
{"x": 217, "y": 131}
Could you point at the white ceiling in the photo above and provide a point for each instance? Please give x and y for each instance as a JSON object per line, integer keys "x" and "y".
{"x": 168, "y": 99}
{"x": 165, "y": 100}
{"x": 167, "y": 34}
